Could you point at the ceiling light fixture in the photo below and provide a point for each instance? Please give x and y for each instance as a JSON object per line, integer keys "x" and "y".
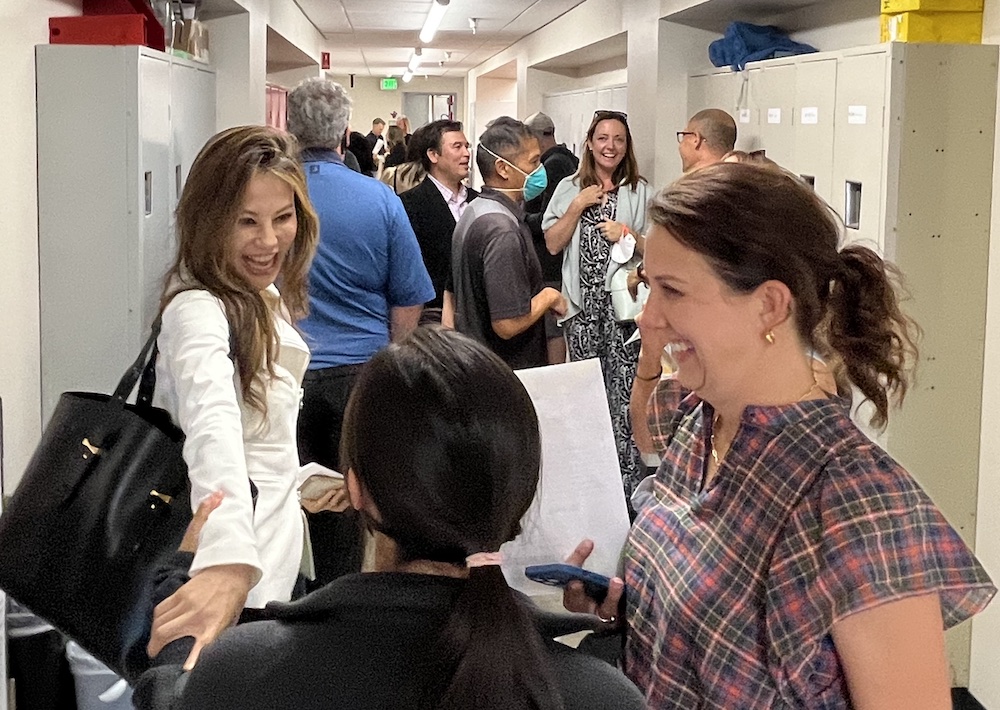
{"x": 473, "y": 23}
{"x": 415, "y": 60}
{"x": 434, "y": 17}
{"x": 407, "y": 75}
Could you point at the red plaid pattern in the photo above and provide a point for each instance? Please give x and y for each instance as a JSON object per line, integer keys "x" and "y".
{"x": 732, "y": 591}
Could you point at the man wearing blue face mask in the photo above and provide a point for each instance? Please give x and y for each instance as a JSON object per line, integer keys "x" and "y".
{"x": 499, "y": 295}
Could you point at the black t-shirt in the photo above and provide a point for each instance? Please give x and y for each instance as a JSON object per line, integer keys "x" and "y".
{"x": 559, "y": 163}
{"x": 496, "y": 274}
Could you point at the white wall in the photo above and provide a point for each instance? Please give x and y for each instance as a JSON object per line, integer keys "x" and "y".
{"x": 984, "y": 681}
{"x": 290, "y": 78}
{"x": 23, "y": 24}
{"x": 371, "y": 102}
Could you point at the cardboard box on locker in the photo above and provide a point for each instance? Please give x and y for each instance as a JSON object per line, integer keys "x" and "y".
{"x": 891, "y": 7}
{"x": 946, "y": 27}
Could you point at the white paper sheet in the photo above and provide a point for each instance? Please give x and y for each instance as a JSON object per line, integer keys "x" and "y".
{"x": 580, "y": 493}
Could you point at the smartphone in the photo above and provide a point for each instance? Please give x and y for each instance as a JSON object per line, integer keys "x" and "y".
{"x": 321, "y": 481}
{"x": 560, "y": 574}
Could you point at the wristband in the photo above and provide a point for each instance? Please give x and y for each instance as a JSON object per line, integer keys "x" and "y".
{"x": 657, "y": 376}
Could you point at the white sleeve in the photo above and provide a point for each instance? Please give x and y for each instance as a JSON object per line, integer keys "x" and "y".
{"x": 194, "y": 348}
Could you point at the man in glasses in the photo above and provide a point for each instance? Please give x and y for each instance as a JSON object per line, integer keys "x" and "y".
{"x": 709, "y": 135}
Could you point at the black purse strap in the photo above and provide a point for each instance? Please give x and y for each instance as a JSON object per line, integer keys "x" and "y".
{"x": 143, "y": 368}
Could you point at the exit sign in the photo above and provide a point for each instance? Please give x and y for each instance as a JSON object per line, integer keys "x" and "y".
{"x": 390, "y": 84}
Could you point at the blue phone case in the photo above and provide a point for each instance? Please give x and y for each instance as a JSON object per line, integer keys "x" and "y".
{"x": 561, "y": 574}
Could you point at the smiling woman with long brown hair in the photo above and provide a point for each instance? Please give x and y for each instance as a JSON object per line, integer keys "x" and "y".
{"x": 229, "y": 373}
{"x": 589, "y": 213}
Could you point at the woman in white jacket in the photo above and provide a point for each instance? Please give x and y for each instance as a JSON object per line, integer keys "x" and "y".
{"x": 229, "y": 372}
{"x": 602, "y": 205}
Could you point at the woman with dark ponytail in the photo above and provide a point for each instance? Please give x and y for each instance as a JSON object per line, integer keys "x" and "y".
{"x": 441, "y": 452}
{"x": 779, "y": 558}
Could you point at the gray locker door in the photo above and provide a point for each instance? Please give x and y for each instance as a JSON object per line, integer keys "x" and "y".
{"x": 815, "y": 96}
{"x": 697, "y": 93}
{"x": 555, "y": 108}
{"x": 774, "y": 89}
{"x": 155, "y": 243}
{"x": 746, "y": 112}
{"x": 723, "y": 92}
{"x": 605, "y": 99}
{"x": 858, "y": 147}
{"x": 619, "y": 98}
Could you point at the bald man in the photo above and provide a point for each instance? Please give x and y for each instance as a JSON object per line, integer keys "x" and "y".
{"x": 709, "y": 135}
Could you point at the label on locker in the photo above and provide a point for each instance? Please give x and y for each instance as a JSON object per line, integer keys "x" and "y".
{"x": 857, "y": 115}
{"x": 744, "y": 115}
{"x": 810, "y": 115}
{"x": 774, "y": 115}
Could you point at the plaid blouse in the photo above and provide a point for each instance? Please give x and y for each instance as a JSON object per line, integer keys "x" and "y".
{"x": 732, "y": 591}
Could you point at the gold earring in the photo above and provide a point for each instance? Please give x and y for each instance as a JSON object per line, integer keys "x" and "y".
{"x": 769, "y": 337}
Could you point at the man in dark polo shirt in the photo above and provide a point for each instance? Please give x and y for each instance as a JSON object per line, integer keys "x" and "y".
{"x": 500, "y": 298}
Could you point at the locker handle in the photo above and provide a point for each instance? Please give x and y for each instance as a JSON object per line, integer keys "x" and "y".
{"x": 852, "y": 204}
{"x": 177, "y": 181}
{"x": 148, "y": 186}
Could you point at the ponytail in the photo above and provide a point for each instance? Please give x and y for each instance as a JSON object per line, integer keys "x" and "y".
{"x": 489, "y": 656}
{"x": 869, "y": 332}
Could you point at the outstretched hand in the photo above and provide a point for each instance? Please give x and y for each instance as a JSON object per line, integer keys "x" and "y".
{"x": 205, "y": 605}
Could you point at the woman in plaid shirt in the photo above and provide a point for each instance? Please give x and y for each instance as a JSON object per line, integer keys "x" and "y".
{"x": 782, "y": 559}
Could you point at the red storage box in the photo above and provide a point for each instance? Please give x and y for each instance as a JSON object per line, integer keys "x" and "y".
{"x": 98, "y": 29}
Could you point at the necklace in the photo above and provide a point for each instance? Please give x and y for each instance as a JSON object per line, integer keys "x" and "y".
{"x": 717, "y": 418}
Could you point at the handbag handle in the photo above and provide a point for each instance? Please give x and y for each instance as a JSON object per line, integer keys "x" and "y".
{"x": 144, "y": 368}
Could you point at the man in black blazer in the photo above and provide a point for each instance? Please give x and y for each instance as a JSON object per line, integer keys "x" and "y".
{"x": 435, "y": 205}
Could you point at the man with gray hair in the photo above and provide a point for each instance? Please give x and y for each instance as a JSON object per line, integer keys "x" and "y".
{"x": 499, "y": 296}
{"x": 709, "y": 135}
{"x": 367, "y": 286}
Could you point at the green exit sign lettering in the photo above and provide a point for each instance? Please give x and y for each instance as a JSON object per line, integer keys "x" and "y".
{"x": 390, "y": 84}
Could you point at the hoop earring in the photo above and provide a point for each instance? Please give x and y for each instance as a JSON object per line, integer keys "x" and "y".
{"x": 769, "y": 337}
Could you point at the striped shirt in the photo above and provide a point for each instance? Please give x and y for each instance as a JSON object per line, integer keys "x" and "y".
{"x": 733, "y": 590}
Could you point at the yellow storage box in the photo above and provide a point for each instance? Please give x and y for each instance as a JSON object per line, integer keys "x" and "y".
{"x": 892, "y": 7}
{"x": 949, "y": 27}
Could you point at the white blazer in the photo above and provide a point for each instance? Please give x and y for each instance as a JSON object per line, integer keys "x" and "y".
{"x": 229, "y": 444}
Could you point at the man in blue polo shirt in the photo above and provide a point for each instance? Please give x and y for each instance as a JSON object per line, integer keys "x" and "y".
{"x": 367, "y": 286}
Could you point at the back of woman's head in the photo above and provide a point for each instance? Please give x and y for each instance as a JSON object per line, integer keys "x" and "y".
{"x": 459, "y": 461}
{"x": 396, "y": 136}
{"x": 444, "y": 439}
{"x": 206, "y": 219}
{"x": 758, "y": 223}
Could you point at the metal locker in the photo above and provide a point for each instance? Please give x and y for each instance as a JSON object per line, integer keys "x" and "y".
{"x": 859, "y": 146}
{"x": 106, "y": 195}
{"x": 697, "y": 94}
{"x": 619, "y": 98}
{"x": 773, "y": 96}
{"x": 812, "y": 129}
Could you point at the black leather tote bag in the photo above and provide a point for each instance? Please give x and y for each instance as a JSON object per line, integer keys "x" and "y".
{"x": 104, "y": 499}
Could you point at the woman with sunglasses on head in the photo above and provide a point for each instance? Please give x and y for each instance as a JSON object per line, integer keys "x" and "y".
{"x": 780, "y": 559}
{"x": 600, "y": 207}
{"x": 442, "y": 453}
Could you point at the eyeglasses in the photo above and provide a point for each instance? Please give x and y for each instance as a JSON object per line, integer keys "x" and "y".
{"x": 681, "y": 134}
{"x": 602, "y": 114}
